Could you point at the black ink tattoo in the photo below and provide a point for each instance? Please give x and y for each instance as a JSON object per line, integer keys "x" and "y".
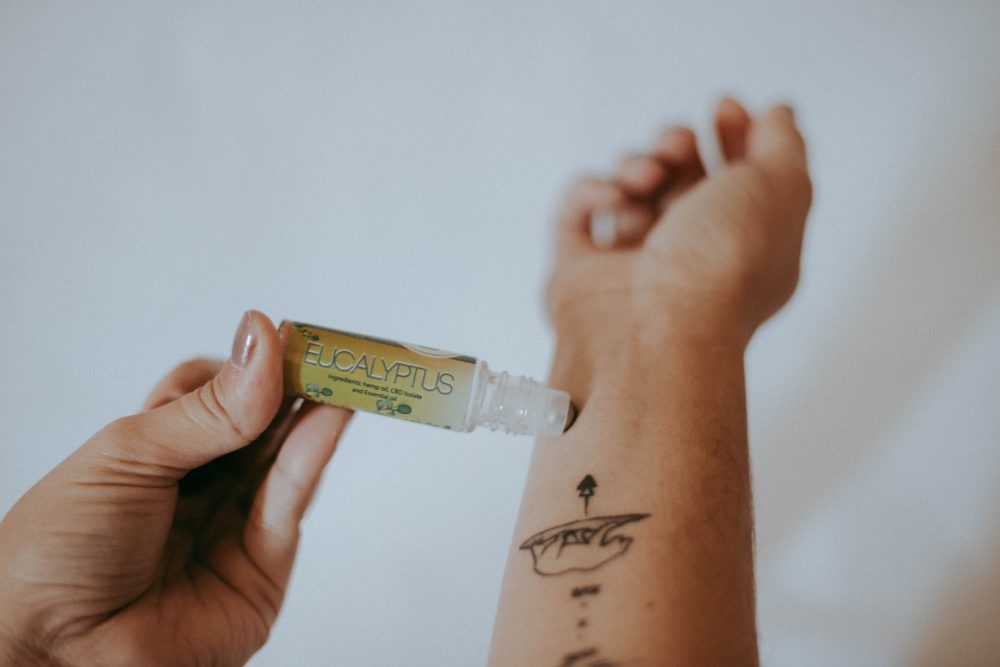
{"x": 579, "y": 545}
{"x": 588, "y": 657}
{"x": 572, "y": 659}
{"x": 580, "y": 591}
{"x": 586, "y": 488}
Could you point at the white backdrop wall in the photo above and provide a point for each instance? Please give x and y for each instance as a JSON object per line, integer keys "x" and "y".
{"x": 391, "y": 168}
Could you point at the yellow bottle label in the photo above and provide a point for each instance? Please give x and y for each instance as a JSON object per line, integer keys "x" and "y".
{"x": 382, "y": 376}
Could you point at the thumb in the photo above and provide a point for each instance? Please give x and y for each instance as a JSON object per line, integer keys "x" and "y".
{"x": 775, "y": 140}
{"x": 225, "y": 414}
{"x": 776, "y": 146}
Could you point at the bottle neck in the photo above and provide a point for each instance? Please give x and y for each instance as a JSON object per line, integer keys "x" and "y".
{"x": 519, "y": 405}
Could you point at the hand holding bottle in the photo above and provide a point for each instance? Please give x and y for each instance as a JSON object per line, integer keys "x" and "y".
{"x": 169, "y": 537}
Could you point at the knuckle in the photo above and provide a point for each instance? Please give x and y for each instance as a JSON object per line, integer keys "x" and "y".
{"x": 122, "y": 451}
{"x": 121, "y": 431}
{"x": 259, "y": 520}
{"x": 671, "y": 131}
{"x": 302, "y": 489}
{"x": 584, "y": 195}
{"x": 194, "y": 372}
{"x": 581, "y": 188}
{"x": 199, "y": 364}
{"x": 182, "y": 379}
{"x": 210, "y": 409}
{"x": 630, "y": 160}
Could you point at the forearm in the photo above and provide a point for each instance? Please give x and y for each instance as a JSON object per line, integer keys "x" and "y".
{"x": 662, "y": 434}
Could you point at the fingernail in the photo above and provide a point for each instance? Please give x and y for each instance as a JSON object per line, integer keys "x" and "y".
{"x": 243, "y": 342}
{"x": 788, "y": 110}
{"x": 283, "y": 335}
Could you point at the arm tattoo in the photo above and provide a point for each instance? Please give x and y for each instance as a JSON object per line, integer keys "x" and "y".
{"x": 582, "y": 545}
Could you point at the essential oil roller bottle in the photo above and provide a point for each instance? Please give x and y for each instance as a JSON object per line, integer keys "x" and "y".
{"x": 417, "y": 383}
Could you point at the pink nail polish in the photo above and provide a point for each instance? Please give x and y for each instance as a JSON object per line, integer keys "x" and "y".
{"x": 243, "y": 342}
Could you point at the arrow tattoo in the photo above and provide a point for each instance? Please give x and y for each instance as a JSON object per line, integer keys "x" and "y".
{"x": 586, "y": 488}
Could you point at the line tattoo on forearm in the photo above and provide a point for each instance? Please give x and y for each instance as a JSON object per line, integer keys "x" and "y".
{"x": 582, "y": 545}
{"x": 579, "y": 546}
{"x": 580, "y": 591}
{"x": 587, "y": 657}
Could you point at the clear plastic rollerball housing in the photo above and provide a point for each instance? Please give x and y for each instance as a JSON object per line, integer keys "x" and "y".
{"x": 518, "y": 405}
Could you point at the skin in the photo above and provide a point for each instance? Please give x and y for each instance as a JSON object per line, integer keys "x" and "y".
{"x": 168, "y": 538}
{"x": 651, "y": 336}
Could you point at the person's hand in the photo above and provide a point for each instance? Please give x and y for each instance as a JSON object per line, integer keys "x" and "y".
{"x": 675, "y": 254}
{"x": 168, "y": 538}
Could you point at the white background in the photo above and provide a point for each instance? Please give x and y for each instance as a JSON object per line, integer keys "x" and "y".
{"x": 391, "y": 169}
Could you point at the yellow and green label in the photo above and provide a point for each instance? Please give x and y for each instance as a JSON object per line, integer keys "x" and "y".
{"x": 382, "y": 376}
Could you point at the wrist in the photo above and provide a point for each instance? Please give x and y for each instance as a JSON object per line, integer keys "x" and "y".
{"x": 653, "y": 318}
{"x": 613, "y": 353}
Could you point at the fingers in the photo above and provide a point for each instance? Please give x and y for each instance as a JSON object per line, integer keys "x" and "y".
{"x": 183, "y": 379}
{"x": 678, "y": 148}
{"x": 641, "y": 176}
{"x": 218, "y": 417}
{"x": 618, "y": 212}
{"x": 272, "y": 532}
{"x": 601, "y": 214}
{"x": 585, "y": 197}
{"x": 770, "y": 141}
{"x": 731, "y": 124}
{"x": 774, "y": 140}
{"x": 776, "y": 146}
